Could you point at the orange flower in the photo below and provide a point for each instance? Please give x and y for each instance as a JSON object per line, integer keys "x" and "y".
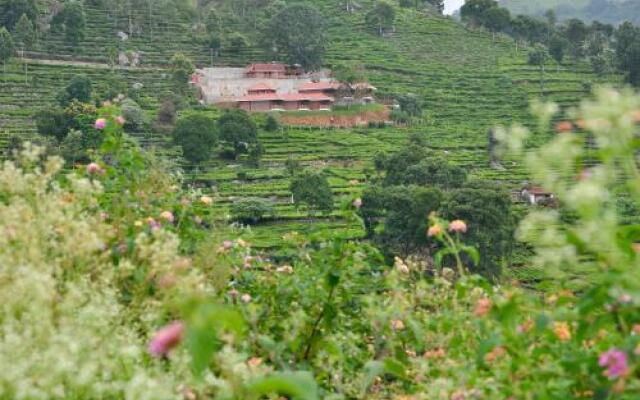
{"x": 636, "y": 329}
{"x": 397, "y": 325}
{"x": 434, "y": 231}
{"x": 526, "y": 326}
{"x": 254, "y": 362}
{"x": 636, "y": 116}
{"x": 562, "y": 331}
{"x": 636, "y": 247}
{"x": 434, "y": 354}
{"x": 495, "y": 354}
{"x": 564, "y": 127}
{"x": 483, "y": 306}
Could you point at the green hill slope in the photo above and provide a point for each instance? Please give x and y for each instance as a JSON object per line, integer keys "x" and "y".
{"x": 609, "y": 11}
{"x": 468, "y": 81}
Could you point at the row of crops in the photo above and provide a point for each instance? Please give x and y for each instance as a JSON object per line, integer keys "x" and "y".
{"x": 469, "y": 83}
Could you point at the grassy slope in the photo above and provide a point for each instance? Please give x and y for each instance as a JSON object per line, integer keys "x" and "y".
{"x": 468, "y": 81}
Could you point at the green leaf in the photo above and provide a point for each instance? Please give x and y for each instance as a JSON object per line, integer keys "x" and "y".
{"x": 395, "y": 368}
{"x": 204, "y": 325}
{"x": 371, "y": 370}
{"x": 298, "y": 385}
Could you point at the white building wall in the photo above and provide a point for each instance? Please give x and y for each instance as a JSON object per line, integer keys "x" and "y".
{"x": 224, "y": 84}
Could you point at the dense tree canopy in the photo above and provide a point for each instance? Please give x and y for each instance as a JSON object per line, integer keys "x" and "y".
{"x": 24, "y": 34}
{"x": 79, "y": 89}
{"x": 311, "y": 189}
{"x": 415, "y": 183}
{"x": 381, "y": 17}
{"x": 197, "y": 135}
{"x": 12, "y": 10}
{"x": 298, "y": 33}
{"x": 71, "y": 21}
{"x": 238, "y": 130}
{"x": 6, "y": 46}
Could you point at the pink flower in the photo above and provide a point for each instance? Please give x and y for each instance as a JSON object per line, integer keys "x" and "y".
{"x": 120, "y": 120}
{"x": 246, "y": 298}
{"x": 458, "y": 226}
{"x": 616, "y": 363}
{"x": 94, "y": 168}
{"x": 435, "y": 230}
{"x": 227, "y": 244}
{"x": 167, "y": 216}
{"x": 357, "y": 203}
{"x": 101, "y": 123}
{"x": 166, "y": 339}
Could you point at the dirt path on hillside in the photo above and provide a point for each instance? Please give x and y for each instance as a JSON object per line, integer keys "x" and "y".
{"x": 84, "y": 64}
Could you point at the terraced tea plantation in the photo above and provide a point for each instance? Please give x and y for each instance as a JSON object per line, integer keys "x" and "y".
{"x": 468, "y": 81}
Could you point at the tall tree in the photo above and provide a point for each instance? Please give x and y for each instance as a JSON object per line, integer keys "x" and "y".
{"x": 71, "y": 21}
{"x": 12, "y": 10}
{"x": 298, "y": 33}
{"x": 576, "y": 32}
{"x": 312, "y": 189}
{"x": 539, "y": 57}
{"x": 24, "y": 34}
{"x": 627, "y": 51}
{"x": 238, "y": 130}
{"x": 197, "y": 135}
{"x": 497, "y": 19}
{"x": 381, "y": 17}
{"x": 473, "y": 11}
{"x": 181, "y": 69}
{"x": 557, "y": 48}
{"x": 6, "y": 49}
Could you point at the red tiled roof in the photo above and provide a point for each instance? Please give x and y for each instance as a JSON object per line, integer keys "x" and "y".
{"x": 539, "y": 190}
{"x": 267, "y": 68}
{"x": 285, "y": 97}
{"x": 318, "y": 86}
{"x": 261, "y": 87}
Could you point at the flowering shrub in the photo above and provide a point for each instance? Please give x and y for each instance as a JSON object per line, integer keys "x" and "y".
{"x": 112, "y": 285}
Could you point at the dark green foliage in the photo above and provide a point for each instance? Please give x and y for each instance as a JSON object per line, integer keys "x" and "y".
{"x": 237, "y": 42}
{"x": 497, "y": 19}
{"x": 416, "y": 183}
{"x": 312, "y": 190}
{"x": 197, "y": 135}
{"x": 12, "y": 10}
{"x": 181, "y": 70}
{"x": 238, "y": 130}
{"x": 71, "y": 21}
{"x": 576, "y": 31}
{"x": 404, "y": 209}
{"x": 79, "y": 89}
{"x": 298, "y": 33}
{"x": 381, "y": 17}
{"x": 167, "y": 113}
{"x": 251, "y": 211}
{"x": 6, "y": 45}
{"x": 133, "y": 115}
{"x": 487, "y": 211}
{"x": 474, "y": 11}
{"x": 52, "y": 122}
{"x": 271, "y": 124}
{"x": 538, "y": 56}
{"x": 627, "y": 50}
{"x": 557, "y": 47}
{"x": 411, "y": 104}
{"x": 24, "y": 34}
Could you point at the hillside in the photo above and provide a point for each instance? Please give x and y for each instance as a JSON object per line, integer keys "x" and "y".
{"x": 316, "y": 200}
{"x": 469, "y": 83}
{"x": 608, "y": 11}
